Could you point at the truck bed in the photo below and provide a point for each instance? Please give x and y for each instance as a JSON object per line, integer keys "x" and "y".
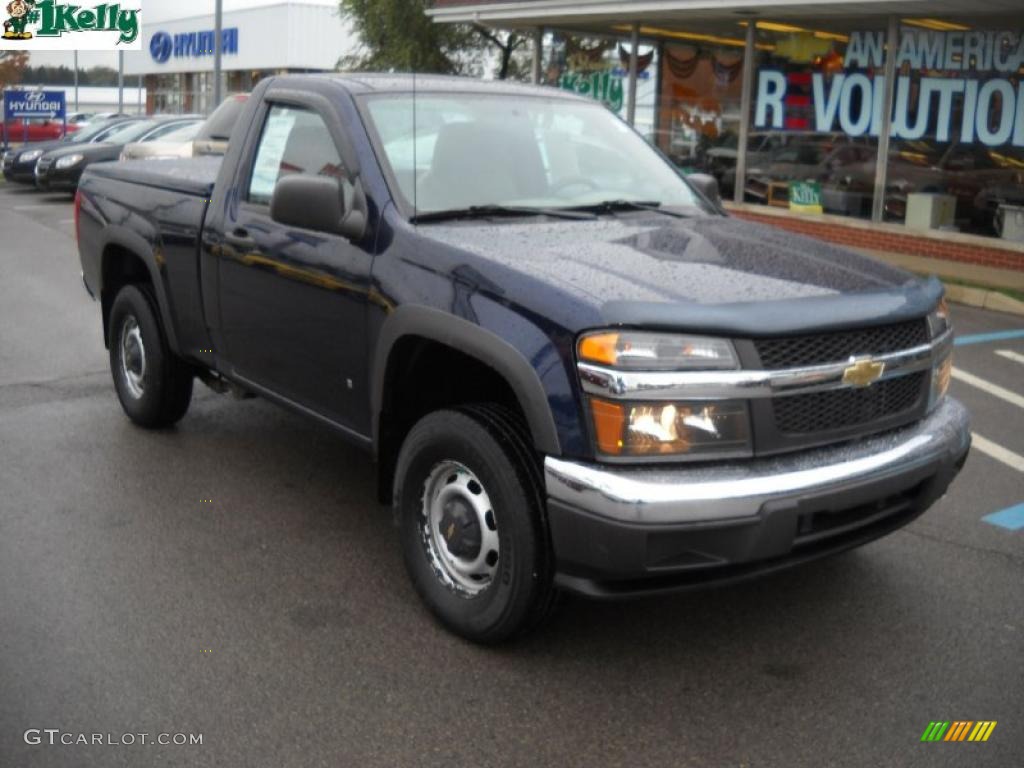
{"x": 189, "y": 176}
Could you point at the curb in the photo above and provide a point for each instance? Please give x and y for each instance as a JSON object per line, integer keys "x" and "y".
{"x": 984, "y": 299}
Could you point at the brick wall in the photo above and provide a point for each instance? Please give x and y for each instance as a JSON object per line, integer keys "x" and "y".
{"x": 955, "y": 247}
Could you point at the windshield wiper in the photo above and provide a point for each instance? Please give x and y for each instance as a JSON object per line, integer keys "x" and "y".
{"x": 486, "y": 211}
{"x": 609, "y": 206}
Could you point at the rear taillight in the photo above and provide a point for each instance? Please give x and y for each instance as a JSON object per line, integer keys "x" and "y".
{"x": 78, "y": 210}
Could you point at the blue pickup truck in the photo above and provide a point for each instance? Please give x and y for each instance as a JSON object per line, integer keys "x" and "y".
{"x": 573, "y": 371}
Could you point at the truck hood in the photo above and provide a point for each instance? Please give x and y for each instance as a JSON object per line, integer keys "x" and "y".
{"x": 711, "y": 272}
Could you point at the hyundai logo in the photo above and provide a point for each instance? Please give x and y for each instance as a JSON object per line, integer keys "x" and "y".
{"x": 160, "y": 47}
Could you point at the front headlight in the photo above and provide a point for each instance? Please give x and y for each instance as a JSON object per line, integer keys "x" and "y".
{"x": 645, "y": 351}
{"x": 28, "y": 157}
{"x": 656, "y": 429}
{"x": 69, "y": 161}
{"x": 666, "y": 429}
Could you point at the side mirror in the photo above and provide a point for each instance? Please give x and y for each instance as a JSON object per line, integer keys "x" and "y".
{"x": 707, "y": 185}
{"x": 318, "y": 203}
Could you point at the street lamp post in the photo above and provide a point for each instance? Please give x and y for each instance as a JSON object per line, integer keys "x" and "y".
{"x": 120, "y": 82}
{"x": 218, "y": 24}
{"x": 634, "y": 43}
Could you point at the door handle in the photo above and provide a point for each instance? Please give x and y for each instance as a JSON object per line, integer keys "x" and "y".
{"x": 240, "y": 239}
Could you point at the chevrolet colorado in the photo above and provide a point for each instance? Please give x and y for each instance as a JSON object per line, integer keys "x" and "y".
{"x": 573, "y": 371}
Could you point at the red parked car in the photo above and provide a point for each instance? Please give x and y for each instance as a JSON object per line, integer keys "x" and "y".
{"x": 39, "y": 129}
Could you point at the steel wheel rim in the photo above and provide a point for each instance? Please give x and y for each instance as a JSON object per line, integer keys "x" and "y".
{"x": 455, "y": 508}
{"x": 133, "y": 357}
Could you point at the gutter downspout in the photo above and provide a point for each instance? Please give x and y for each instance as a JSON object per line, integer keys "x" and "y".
{"x": 634, "y": 42}
{"x": 538, "y": 55}
{"x": 885, "y": 128}
{"x": 746, "y": 95}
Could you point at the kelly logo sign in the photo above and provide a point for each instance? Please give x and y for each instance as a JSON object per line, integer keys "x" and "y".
{"x": 42, "y": 25}
{"x": 965, "y": 87}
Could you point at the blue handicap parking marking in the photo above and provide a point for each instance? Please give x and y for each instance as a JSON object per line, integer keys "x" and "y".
{"x": 982, "y": 338}
{"x": 1011, "y": 518}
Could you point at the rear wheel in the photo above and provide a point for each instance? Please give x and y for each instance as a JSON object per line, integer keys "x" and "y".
{"x": 153, "y": 385}
{"x": 470, "y": 513}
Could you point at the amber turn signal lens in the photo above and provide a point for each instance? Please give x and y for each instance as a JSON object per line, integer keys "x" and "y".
{"x": 609, "y": 420}
{"x": 600, "y": 348}
{"x": 650, "y": 351}
{"x": 945, "y": 374}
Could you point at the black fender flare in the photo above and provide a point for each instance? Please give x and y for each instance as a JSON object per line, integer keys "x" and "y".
{"x": 477, "y": 342}
{"x": 138, "y": 246}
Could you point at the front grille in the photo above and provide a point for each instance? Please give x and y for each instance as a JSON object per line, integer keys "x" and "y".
{"x": 816, "y": 349}
{"x": 839, "y": 409}
{"x": 43, "y": 165}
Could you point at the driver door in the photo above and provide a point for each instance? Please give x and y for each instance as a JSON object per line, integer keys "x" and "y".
{"x": 293, "y": 301}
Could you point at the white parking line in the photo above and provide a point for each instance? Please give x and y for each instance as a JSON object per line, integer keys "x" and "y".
{"x": 988, "y": 386}
{"x": 1010, "y": 355}
{"x": 997, "y": 452}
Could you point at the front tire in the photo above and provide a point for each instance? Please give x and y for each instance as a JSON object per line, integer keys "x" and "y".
{"x": 471, "y": 518}
{"x": 153, "y": 385}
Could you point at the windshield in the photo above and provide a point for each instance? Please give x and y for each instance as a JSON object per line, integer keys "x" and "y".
{"x": 89, "y": 133}
{"x": 131, "y": 132}
{"x": 462, "y": 150}
{"x": 182, "y": 134}
{"x": 218, "y": 126}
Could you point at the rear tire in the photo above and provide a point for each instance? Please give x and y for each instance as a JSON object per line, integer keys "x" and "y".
{"x": 471, "y": 518}
{"x": 153, "y": 385}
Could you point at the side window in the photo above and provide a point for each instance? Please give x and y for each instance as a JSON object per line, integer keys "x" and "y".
{"x": 112, "y": 129}
{"x": 294, "y": 140}
{"x": 163, "y": 130}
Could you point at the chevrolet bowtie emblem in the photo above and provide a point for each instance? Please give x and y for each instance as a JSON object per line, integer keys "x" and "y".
{"x": 863, "y": 372}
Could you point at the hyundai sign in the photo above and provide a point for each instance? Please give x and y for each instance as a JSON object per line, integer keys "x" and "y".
{"x": 163, "y": 46}
{"x": 22, "y": 104}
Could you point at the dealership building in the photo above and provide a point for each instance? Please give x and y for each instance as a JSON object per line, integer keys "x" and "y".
{"x": 895, "y": 126}
{"x": 176, "y": 60}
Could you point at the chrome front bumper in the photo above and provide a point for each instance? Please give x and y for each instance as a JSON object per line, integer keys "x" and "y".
{"x": 631, "y": 522}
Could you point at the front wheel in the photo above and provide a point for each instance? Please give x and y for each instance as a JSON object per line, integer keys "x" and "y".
{"x": 153, "y": 385}
{"x": 471, "y": 518}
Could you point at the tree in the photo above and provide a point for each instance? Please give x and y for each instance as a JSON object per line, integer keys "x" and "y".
{"x": 507, "y": 44}
{"x": 12, "y": 65}
{"x": 397, "y": 35}
{"x": 62, "y": 75}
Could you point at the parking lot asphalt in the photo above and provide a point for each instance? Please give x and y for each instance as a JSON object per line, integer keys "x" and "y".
{"x": 234, "y": 577}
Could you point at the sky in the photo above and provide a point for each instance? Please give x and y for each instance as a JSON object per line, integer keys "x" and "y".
{"x": 154, "y": 12}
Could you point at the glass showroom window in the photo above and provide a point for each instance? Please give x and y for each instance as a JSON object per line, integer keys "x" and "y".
{"x": 815, "y": 117}
{"x": 699, "y": 119}
{"x": 956, "y": 160}
{"x": 165, "y": 93}
{"x": 599, "y": 69}
{"x": 956, "y": 154}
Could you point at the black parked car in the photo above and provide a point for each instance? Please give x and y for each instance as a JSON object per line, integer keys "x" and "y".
{"x": 60, "y": 169}
{"x": 19, "y": 165}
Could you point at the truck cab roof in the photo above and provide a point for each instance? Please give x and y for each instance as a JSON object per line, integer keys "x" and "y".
{"x": 405, "y": 82}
